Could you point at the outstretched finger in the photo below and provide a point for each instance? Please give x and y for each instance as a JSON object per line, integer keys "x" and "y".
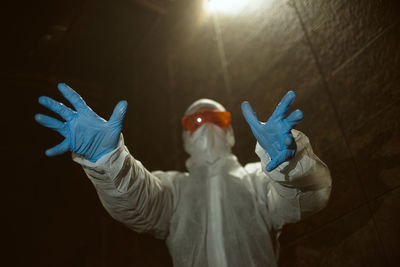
{"x": 119, "y": 112}
{"x": 294, "y": 118}
{"x": 250, "y": 115}
{"x": 65, "y": 112}
{"x": 51, "y": 123}
{"x": 59, "y": 149}
{"x": 73, "y": 97}
{"x": 284, "y": 105}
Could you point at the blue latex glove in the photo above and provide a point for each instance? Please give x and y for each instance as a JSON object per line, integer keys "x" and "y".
{"x": 86, "y": 133}
{"x": 274, "y": 136}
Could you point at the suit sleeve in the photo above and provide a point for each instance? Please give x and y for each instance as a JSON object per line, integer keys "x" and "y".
{"x": 132, "y": 195}
{"x": 297, "y": 188}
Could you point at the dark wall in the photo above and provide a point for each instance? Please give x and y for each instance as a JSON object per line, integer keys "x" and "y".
{"x": 51, "y": 214}
{"x": 340, "y": 57}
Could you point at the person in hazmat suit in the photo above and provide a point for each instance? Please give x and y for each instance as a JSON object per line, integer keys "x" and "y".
{"x": 217, "y": 214}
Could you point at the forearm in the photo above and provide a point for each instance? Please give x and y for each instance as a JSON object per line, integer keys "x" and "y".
{"x": 129, "y": 192}
{"x": 304, "y": 178}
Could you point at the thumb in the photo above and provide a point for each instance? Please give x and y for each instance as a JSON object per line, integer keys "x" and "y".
{"x": 119, "y": 112}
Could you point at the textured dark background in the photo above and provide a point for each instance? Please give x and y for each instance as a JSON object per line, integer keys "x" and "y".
{"x": 341, "y": 57}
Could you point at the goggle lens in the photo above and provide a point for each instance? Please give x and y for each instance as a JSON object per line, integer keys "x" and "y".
{"x": 194, "y": 121}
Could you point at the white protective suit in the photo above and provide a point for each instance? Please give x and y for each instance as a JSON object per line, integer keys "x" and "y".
{"x": 219, "y": 213}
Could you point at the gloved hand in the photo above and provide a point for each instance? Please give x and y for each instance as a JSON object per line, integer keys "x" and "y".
{"x": 86, "y": 133}
{"x": 274, "y": 135}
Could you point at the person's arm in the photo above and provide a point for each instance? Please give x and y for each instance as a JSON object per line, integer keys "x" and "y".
{"x": 299, "y": 187}
{"x": 130, "y": 193}
{"x": 141, "y": 200}
{"x": 299, "y": 182}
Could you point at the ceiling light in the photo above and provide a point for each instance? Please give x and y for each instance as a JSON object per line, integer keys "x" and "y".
{"x": 227, "y": 6}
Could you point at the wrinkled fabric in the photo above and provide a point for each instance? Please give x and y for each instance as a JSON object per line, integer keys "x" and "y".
{"x": 218, "y": 214}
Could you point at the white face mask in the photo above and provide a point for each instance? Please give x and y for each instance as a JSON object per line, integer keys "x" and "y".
{"x": 208, "y": 143}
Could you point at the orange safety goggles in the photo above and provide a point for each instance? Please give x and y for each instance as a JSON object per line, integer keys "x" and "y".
{"x": 192, "y": 122}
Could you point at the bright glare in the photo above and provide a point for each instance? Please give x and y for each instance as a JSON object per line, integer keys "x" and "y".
{"x": 227, "y": 6}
